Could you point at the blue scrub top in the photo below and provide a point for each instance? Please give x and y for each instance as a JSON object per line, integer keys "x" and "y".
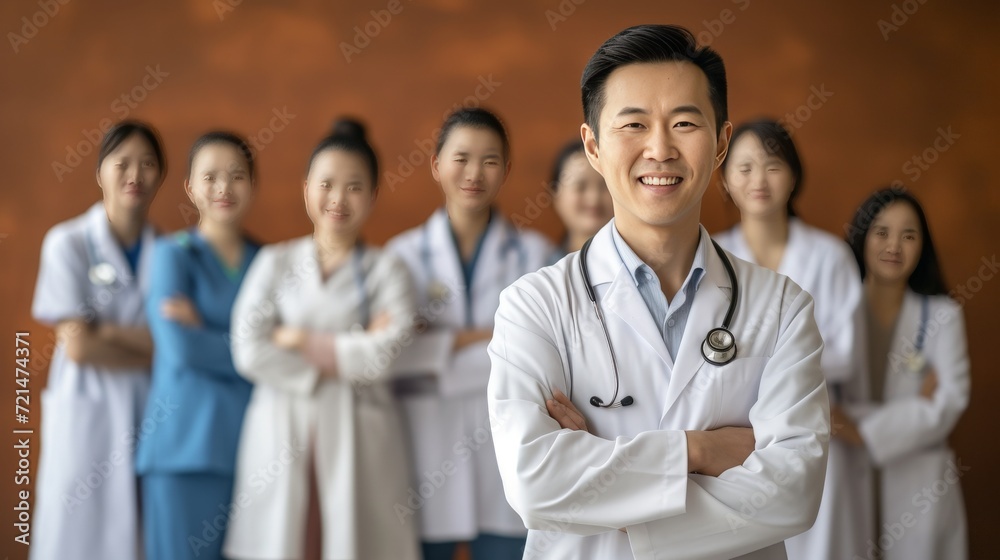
{"x": 195, "y": 409}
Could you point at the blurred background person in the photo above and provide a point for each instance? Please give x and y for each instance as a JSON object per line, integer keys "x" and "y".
{"x": 763, "y": 175}
{"x": 919, "y": 365}
{"x": 91, "y": 286}
{"x": 197, "y": 399}
{"x": 580, "y": 198}
{"x": 461, "y": 259}
{"x": 313, "y": 327}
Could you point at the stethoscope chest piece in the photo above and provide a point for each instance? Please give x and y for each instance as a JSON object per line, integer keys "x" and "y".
{"x": 437, "y": 291}
{"x": 719, "y": 347}
{"x": 102, "y": 274}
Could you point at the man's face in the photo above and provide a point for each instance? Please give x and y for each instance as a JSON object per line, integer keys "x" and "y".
{"x": 658, "y": 146}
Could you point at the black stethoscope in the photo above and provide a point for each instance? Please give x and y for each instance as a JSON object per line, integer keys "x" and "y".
{"x": 718, "y": 349}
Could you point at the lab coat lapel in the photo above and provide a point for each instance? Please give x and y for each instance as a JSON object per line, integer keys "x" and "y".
{"x": 145, "y": 266}
{"x": 444, "y": 265}
{"x": 904, "y": 336}
{"x": 707, "y": 312}
{"x": 106, "y": 246}
{"x": 622, "y": 298}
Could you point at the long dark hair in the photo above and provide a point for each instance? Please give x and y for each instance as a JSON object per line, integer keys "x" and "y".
{"x": 926, "y": 278}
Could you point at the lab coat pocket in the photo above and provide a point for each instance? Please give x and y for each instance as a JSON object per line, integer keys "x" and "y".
{"x": 736, "y": 385}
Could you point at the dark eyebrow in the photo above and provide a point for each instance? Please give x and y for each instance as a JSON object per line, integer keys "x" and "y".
{"x": 687, "y": 109}
{"x": 631, "y": 111}
{"x": 676, "y": 111}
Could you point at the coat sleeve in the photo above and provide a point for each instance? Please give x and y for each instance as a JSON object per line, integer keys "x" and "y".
{"x": 61, "y": 288}
{"x": 553, "y": 477}
{"x": 776, "y": 493}
{"x": 255, "y": 315}
{"x": 840, "y": 319}
{"x": 430, "y": 349}
{"x": 366, "y": 357}
{"x": 203, "y": 349}
{"x": 904, "y": 425}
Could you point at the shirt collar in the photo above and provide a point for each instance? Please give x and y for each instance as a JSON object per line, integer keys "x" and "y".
{"x": 638, "y": 269}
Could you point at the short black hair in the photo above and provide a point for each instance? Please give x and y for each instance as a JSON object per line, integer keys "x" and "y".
{"x": 777, "y": 142}
{"x": 475, "y": 117}
{"x": 926, "y": 278}
{"x": 223, "y": 137}
{"x": 124, "y": 130}
{"x": 651, "y": 43}
{"x": 349, "y": 135}
{"x": 568, "y": 150}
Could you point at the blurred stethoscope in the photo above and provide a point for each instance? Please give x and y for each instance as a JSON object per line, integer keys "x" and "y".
{"x": 718, "y": 349}
{"x": 437, "y": 290}
{"x": 101, "y": 273}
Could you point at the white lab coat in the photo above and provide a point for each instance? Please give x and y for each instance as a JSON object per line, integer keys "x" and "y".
{"x": 825, "y": 267}
{"x": 348, "y": 427}
{"x": 87, "y": 503}
{"x": 923, "y": 514}
{"x": 575, "y": 489}
{"x": 457, "y": 492}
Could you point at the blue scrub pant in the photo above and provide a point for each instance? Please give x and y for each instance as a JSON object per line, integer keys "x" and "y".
{"x": 484, "y": 547}
{"x": 185, "y": 515}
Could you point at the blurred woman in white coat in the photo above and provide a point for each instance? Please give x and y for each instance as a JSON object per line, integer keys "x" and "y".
{"x": 461, "y": 259}
{"x": 91, "y": 283}
{"x": 763, "y": 175}
{"x": 919, "y": 367}
{"x": 579, "y": 196}
{"x": 316, "y": 326}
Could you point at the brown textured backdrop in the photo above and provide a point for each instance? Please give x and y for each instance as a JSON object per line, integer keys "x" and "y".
{"x": 864, "y": 99}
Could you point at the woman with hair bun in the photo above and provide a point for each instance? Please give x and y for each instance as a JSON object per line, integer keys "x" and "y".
{"x": 314, "y": 328}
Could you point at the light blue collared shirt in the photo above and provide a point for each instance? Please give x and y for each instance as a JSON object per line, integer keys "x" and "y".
{"x": 670, "y": 318}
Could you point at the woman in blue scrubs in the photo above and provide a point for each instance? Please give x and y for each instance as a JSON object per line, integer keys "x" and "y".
{"x": 187, "y": 451}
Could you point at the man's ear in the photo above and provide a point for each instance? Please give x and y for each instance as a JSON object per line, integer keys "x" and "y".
{"x": 722, "y": 147}
{"x": 590, "y": 146}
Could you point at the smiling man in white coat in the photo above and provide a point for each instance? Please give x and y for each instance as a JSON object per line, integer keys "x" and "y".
{"x": 623, "y": 429}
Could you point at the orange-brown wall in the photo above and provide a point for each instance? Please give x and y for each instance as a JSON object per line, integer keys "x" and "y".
{"x": 232, "y": 64}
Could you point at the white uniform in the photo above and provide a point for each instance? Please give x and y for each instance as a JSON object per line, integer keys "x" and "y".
{"x": 923, "y": 514}
{"x": 824, "y": 266}
{"x": 86, "y": 503}
{"x": 348, "y": 427}
{"x": 575, "y": 489}
{"x": 457, "y": 492}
